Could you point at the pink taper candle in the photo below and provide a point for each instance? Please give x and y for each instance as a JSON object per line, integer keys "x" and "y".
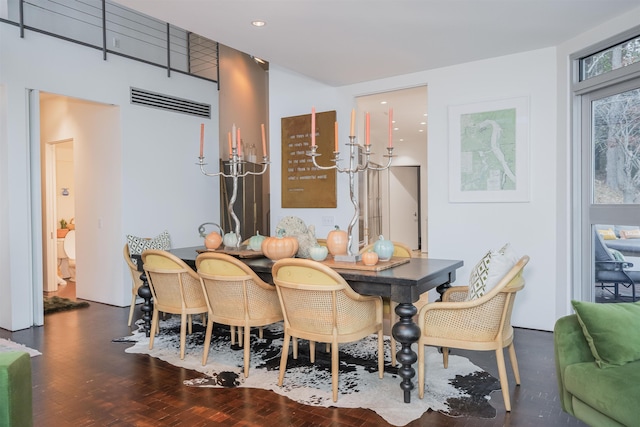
{"x": 201, "y": 139}
{"x": 353, "y": 123}
{"x": 264, "y": 142}
{"x": 239, "y": 144}
{"x": 237, "y": 141}
{"x": 335, "y": 131}
{"x": 313, "y": 126}
{"x": 390, "y": 127}
{"x": 366, "y": 130}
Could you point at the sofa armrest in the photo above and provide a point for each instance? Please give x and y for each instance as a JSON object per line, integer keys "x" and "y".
{"x": 570, "y": 346}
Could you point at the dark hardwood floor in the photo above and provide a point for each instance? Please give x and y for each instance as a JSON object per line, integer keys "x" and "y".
{"x": 85, "y": 379}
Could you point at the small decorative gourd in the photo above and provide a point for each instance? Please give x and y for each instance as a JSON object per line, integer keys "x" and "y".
{"x": 370, "y": 258}
{"x": 279, "y": 247}
{"x": 213, "y": 240}
{"x": 230, "y": 240}
{"x": 255, "y": 242}
{"x": 318, "y": 253}
{"x": 337, "y": 241}
{"x": 384, "y": 248}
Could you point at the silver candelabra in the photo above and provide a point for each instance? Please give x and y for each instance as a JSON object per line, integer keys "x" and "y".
{"x": 235, "y": 171}
{"x": 353, "y": 167}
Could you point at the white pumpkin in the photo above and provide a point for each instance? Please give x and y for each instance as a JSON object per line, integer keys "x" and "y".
{"x": 255, "y": 242}
{"x": 230, "y": 240}
{"x": 318, "y": 253}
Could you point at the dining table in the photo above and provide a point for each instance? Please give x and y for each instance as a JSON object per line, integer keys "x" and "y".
{"x": 403, "y": 283}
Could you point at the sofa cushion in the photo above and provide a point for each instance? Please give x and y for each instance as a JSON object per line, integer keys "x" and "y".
{"x": 612, "y": 331}
{"x": 608, "y": 234}
{"x": 614, "y": 392}
{"x": 630, "y": 234}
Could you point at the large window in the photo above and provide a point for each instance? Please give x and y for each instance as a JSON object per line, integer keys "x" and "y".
{"x": 615, "y": 140}
{"x": 607, "y": 89}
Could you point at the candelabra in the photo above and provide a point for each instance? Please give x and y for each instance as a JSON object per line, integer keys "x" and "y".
{"x": 235, "y": 172}
{"x": 353, "y": 167}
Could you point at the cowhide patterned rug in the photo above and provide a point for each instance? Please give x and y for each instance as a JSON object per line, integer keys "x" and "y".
{"x": 462, "y": 390}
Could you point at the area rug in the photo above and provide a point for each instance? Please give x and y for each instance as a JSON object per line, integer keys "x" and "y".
{"x": 55, "y": 304}
{"x": 8, "y": 345}
{"x": 462, "y": 390}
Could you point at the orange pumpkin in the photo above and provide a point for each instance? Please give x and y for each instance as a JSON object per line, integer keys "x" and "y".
{"x": 213, "y": 240}
{"x": 337, "y": 241}
{"x": 279, "y": 247}
{"x": 370, "y": 258}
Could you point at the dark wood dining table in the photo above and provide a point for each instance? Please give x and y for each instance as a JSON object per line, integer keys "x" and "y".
{"x": 403, "y": 284}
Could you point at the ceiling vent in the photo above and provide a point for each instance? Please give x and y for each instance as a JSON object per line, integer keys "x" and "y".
{"x": 169, "y": 103}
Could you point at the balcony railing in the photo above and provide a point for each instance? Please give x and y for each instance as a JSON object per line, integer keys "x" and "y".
{"x": 117, "y": 30}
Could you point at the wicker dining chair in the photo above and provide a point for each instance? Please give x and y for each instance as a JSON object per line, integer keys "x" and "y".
{"x": 136, "y": 281}
{"x": 175, "y": 288}
{"x": 237, "y": 297}
{"x": 400, "y": 250}
{"x": 320, "y": 306}
{"x": 483, "y": 323}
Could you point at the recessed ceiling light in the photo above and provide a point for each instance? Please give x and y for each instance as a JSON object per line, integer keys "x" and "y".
{"x": 258, "y": 23}
{"x": 383, "y": 102}
{"x": 423, "y": 123}
{"x": 425, "y": 114}
{"x": 421, "y": 130}
{"x": 396, "y": 128}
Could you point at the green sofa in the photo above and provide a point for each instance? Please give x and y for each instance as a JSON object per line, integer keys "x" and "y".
{"x": 15, "y": 389}
{"x": 599, "y": 396}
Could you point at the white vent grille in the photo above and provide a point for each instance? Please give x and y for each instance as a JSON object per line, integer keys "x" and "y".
{"x": 169, "y": 103}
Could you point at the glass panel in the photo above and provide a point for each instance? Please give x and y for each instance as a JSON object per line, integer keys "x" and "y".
{"x": 617, "y": 262}
{"x": 610, "y": 59}
{"x": 616, "y": 148}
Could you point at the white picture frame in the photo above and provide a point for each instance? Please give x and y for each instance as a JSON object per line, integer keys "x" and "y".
{"x": 489, "y": 151}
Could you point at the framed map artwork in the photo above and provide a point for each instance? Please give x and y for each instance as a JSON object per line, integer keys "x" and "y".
{"x": 489, "y": 151}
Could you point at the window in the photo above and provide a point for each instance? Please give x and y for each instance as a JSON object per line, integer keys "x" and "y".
{"x": 612, "y": 58}
{"x": 607, "y": 147}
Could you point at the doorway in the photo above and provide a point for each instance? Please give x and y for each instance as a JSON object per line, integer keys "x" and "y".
{"x": 59, "y": 213}
{"x": 403, "y": 185}
{"x": 404, "y": 193}
{"x": 85, "y": 137}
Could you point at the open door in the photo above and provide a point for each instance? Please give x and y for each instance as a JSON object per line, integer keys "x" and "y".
{"x": 404, "y": 198}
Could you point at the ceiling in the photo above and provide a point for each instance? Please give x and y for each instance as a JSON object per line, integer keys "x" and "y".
{"x": 342, "y": 42}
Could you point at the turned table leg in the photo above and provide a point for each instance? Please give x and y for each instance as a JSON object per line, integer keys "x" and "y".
{"x": 406, "y": 332}
{"x": 144, "y": 292}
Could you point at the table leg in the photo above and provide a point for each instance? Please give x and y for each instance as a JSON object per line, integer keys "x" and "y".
{"x": 144, "y": 292}
{"x": 406, "y": 332}
{"x": 442, "y": 289}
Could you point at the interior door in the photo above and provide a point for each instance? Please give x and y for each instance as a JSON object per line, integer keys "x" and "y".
{"x": 404, "y": 202}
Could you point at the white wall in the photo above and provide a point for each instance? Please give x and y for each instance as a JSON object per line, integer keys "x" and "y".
{"x": 158, "y": 186}
{"x": 292, "y": 95}
{"x": 467, "y": 230}
{"x": 65, "y": 178}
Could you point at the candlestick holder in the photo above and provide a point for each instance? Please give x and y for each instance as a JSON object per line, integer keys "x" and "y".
{"x": 235, "y": 165}
{"x": 353, "y": 167}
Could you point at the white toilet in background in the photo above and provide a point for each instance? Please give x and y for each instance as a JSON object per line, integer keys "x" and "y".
{"x": 68, "y": 256}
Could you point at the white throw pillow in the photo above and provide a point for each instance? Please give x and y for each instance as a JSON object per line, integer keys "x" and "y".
{"x": 490, "y": 270}
{"x": 137, "y": 245}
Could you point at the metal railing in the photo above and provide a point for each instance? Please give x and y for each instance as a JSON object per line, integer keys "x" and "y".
{"x": 117, "y": 30}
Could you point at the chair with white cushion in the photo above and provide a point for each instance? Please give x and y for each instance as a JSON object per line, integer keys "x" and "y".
{"x": 482, "y": 323}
